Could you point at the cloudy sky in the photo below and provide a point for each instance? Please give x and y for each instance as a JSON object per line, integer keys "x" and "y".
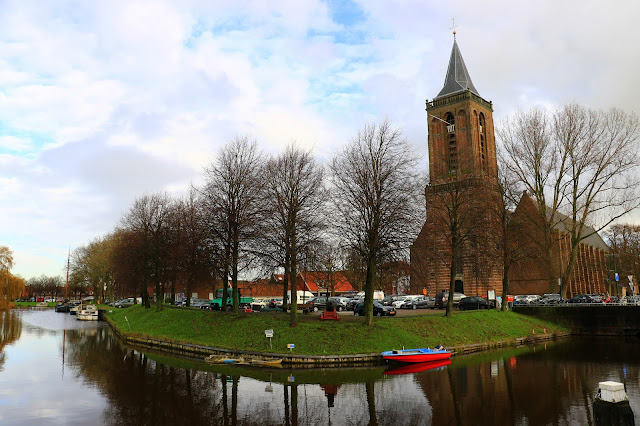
{"x": 104, "y": 101}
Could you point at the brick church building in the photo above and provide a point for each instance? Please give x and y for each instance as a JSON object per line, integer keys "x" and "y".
{"x": 463, "y": 206}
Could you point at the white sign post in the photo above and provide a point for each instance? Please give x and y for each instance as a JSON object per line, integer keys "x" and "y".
{"x": 269, "y": 334}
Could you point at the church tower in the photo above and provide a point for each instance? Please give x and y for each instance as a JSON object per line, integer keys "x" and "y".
{"x": 462, "y": 192}
{"x": 461, "y": 139}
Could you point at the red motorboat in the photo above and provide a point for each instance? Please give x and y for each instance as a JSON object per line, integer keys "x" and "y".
{"x": 417, "y": 355}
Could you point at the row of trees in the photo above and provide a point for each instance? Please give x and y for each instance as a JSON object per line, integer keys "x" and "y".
{"x": 256, "y": 214}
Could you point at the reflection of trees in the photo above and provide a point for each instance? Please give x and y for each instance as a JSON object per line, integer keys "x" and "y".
{"x": 371, "y": 404}
{"x": 555, "y": 385}
{"x": 10, "y": 331}
{"x": 551, "y": 386}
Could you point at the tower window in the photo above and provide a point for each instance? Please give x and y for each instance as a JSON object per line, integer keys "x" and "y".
{"x": 453, "y": 151}
{"x": 483, "y": 141}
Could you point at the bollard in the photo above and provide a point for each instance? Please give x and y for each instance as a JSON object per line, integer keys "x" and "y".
{"x": 611, "y": 406}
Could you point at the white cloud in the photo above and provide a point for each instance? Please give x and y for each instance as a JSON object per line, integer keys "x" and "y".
{"x": 103, "y": 101}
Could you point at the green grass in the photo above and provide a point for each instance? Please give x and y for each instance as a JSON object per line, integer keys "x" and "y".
{"x": 29, "y": 304}
{"x": 314, "y": 337}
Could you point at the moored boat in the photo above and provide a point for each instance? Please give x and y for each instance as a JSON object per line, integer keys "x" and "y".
{"x": 74, "y": 307}
{"x": 87, "y": 313}
{"x": 216, "y": 359}
{"x": 62, "y": 307}
{"x": 417, "y": 355}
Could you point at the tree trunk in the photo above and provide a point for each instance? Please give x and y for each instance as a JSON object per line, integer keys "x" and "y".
{"x": 452, "y": 268}
{"x": 369, "y": 287}
{"x": 294, "y": 281}
{"x": 505, "y": 285}
{"x": 234, "y": 273}
{"x": 225, "y": 278}
{"x": 285, "y": 285}
{"x": 566, "y": 275}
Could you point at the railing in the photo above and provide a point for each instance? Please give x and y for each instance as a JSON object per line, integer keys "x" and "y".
{"x": 457, "y": 97}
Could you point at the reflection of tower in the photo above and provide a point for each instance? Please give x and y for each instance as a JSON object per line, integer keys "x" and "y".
{"x": 330, "y": 392}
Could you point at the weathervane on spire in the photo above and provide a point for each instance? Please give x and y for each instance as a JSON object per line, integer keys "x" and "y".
{"x": 453, "y": 27}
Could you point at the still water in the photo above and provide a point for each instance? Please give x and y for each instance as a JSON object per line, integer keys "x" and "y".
{"x": 55, "y": 370}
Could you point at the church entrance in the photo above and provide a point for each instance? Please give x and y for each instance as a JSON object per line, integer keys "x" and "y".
{"x": 459, "y": 287}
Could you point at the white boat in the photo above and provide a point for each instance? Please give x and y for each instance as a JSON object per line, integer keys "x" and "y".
{"x": 87, "y": 313}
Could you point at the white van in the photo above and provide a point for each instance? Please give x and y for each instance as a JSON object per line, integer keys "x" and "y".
{"x": 301, "y": 297}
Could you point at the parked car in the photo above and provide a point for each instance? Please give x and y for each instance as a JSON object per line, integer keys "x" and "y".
{"x": 340, "y": 303}
{"x": 399, "y": 301}
{"x": 379, "y": 309}
{"x": 443, "y": 297}
{"x": 200, "y": 303}
{"x": 389, "y": 299}
{"x": 421, "y": 302}
{"x": 550, "y": 299}
{"x": 353, "y": 302}
{"x": 521, "y": 300}
{"x": 584, "y": 298}
{"x": 317, "y": 303}
{"x": 474, "y": 302}
{"x": 125, "y": 303}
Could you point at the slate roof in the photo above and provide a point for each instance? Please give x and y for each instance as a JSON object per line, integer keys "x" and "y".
{"x": 564, "y": 223}
{"x": 458, "y": 78}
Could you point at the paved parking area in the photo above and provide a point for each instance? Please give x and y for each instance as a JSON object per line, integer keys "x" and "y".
{"x": 400, "y": 312}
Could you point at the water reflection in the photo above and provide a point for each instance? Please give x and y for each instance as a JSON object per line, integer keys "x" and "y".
{"x": 116, "y": 385}
{"x": 10, "y": 331}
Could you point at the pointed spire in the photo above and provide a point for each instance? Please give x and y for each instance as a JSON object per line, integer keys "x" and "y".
{"x": 457, "y": 79}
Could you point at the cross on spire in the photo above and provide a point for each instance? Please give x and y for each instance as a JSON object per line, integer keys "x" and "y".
{"x": 453, "y": 27}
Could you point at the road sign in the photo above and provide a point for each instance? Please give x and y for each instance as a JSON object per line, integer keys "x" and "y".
{"x": 269, "y": 334}
{"x": 617, "y": 277}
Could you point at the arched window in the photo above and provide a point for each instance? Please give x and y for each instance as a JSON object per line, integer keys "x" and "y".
{"x": 482, "y": 131}
{"x": 453, "y": 151}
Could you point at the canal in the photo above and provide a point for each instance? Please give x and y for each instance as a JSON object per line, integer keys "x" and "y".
{"x": 55, "y": 370}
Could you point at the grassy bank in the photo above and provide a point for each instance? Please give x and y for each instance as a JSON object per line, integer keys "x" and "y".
{"x": 314, "y": 337}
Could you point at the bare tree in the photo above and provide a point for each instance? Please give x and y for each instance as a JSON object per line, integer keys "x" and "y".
{"x": 514, "y": 242}
{"x": 149, "y": 218}
{"x": 578, "y": 164}
{"x": 293, "y": 219}
{"x": 456, "y": 219}
{"x": 233, "y": 190}
{"x": 127, "y": 258}
{"x": 375, "y": 190}
{"x": 190, "y": 245}
{"x": 624, "y": 240}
